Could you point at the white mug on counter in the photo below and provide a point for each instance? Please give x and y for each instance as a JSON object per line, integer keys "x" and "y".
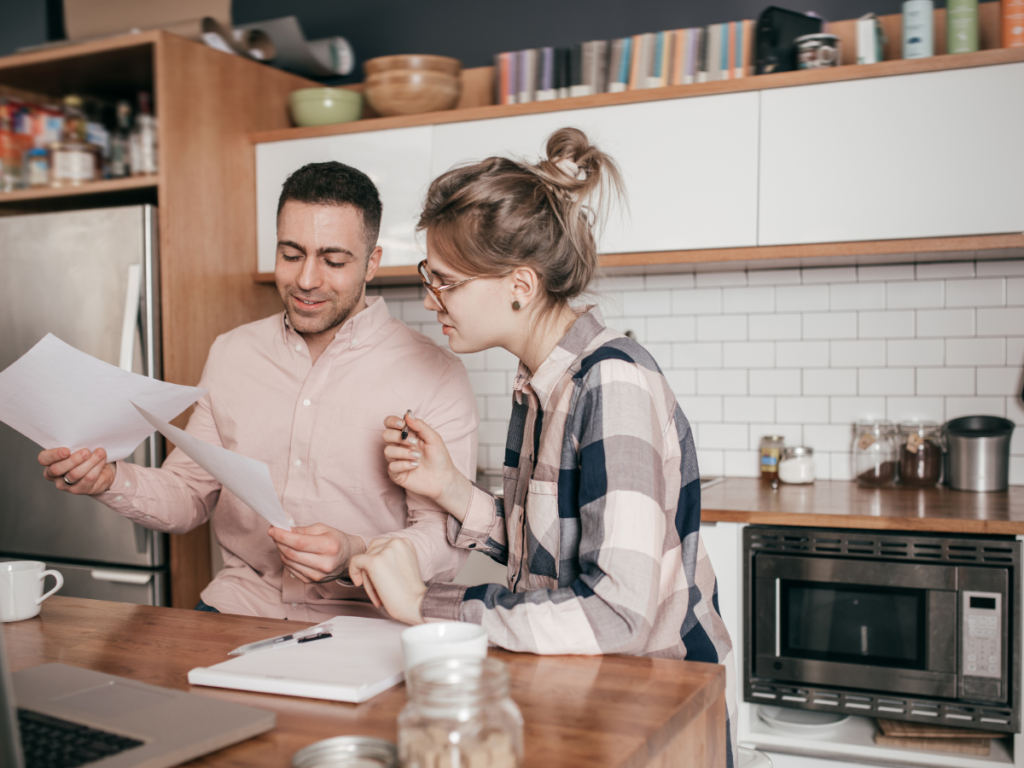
{"x": 442, "y": 640}
{"x": 21, "y": 588}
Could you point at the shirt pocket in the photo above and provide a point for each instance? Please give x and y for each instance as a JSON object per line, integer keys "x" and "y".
{"x": 543, "y": 529}
{"x": 354, "y": 455}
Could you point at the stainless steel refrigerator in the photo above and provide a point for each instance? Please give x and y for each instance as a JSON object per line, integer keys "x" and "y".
{"x": 90, "y": 278}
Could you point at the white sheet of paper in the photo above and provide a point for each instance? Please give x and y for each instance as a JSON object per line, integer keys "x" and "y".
{"x": 60, "y": 397}
{"x": 247, "y": 478}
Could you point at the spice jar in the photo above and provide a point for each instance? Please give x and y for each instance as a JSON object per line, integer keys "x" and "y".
{"x": 460, "y": 714}
{"x": 771, "y": 452}
{"x": 797, "y": 465}
{"x": 921, "y": 449}
{"x": 874, "y": 453}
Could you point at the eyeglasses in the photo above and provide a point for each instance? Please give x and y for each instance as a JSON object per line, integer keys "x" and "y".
{"x": 437, "y": 290}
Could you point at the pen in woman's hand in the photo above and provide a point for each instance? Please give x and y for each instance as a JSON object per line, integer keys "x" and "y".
{"x": 405, "y": 432}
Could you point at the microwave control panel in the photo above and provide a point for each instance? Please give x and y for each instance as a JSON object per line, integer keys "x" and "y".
{"x": 982, "y": 632}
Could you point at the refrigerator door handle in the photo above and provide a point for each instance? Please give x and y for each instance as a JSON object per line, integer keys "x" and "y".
{"x": 131, "y": 316}
{"x": 122, "y": 577}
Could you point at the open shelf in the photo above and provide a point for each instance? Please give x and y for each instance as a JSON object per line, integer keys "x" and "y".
{"x": 102, "y": 187}
{"x": 754, "y": 83}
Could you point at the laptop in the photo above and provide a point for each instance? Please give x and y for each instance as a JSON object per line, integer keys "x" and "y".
{"x": 66, "y": 717}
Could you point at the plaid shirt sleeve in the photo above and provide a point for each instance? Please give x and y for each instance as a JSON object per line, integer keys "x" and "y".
{"x": 483, "y": 528}
{"x": 610, "y": 606}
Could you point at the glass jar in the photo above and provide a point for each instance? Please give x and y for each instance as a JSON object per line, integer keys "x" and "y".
{"x": 797, "y": 465}
{"x": 771, "y": 452}
{"x": 921, "y": 450}
{"x": 460, "y": 714}
{"x": 874, "y": 453}
{"x": 347, "y": 752}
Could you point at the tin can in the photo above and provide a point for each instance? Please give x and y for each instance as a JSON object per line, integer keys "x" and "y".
{"x": 347, "y": 752}
{"x": 817, "y": 51}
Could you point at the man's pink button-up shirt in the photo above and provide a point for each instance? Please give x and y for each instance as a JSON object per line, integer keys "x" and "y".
{"x": 318, "y": 428}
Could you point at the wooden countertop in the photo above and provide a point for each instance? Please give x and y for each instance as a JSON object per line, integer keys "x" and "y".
{"x": 578, "y": 710}
{"x": 839, "y": 504}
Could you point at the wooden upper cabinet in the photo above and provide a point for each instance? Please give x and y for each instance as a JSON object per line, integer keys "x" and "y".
{"x": 689, "y": 165}
{"x": 936, "y": 154}
{"x": 398, "y": 162}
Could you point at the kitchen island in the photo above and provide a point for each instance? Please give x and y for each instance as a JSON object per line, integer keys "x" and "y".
{"x": 614, "y": 711}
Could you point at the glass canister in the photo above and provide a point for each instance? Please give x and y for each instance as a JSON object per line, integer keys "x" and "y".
{"x": 797, "y": 465}
{"x": 921, "y": 449}
{"x": 874, "y": 453}
{"x": 460, "y": 714}
{"x": 771, "y": 452}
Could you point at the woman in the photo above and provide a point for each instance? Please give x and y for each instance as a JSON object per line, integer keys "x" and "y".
{"x": 599, "y": 524}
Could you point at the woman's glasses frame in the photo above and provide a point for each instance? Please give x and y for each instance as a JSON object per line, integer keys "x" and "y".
{"x": 437, "y": 290}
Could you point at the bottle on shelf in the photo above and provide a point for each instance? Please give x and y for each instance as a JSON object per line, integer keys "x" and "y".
{"x": 961, "y": 26}
{"x": 73, "y": 160}
{"x": 918, "y": 29}
{"x": 144, "y": 139}
{"x": 1013, "y": 23}
{"x": 120, "y": 157}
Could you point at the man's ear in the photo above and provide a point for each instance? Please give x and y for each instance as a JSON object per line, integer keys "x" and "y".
{"x": 373, "y": 263}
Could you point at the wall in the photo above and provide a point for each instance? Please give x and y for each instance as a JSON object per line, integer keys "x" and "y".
{"x": 801, "y": 352}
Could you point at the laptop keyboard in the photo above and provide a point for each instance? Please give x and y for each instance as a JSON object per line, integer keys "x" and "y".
{"x": 52, "y": 743}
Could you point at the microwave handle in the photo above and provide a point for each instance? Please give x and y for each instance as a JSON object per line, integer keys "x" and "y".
{"x": 867, "y": 573}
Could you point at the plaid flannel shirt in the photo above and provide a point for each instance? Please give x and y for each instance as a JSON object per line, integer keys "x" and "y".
{"x": 600, "y": 521}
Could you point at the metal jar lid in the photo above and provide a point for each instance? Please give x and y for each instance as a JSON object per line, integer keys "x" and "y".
{"x": 822, "y": 37}
{"x": 795, "y": 451}
{"x": 347, "y": 752}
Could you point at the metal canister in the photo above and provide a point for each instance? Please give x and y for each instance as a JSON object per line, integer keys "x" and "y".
{"x": 979, "y": 453}
{"x": 347, "y": 752}
{"x": 817, "y": 51}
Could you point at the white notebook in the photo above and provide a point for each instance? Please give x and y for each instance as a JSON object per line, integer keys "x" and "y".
{"x": 361, "y": 659}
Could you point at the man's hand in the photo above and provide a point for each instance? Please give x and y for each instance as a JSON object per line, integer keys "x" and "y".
{"x": 316, "y": 553}
{"x": 84, "y": 473}
{"x": 390, "y": 573}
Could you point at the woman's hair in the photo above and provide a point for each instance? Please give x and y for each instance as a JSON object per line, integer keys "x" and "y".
{"x": 493, "y": 216}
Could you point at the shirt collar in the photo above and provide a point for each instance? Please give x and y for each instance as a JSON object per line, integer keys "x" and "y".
{"x": 355, "y": 331}
{"x": 588, "y": 326}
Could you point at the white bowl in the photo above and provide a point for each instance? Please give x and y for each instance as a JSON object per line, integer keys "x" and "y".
{"x": 442, "y": 640}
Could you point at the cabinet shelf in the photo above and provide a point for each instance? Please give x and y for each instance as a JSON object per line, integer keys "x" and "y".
{"x": 755, "y": 83}
{"x": 102, "y": 187}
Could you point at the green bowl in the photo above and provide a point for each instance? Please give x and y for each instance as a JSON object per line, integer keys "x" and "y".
{"x": 325, "y": 106}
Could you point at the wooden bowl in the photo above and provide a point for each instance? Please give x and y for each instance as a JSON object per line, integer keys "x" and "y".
{"x": 411, "y": 92}
{"x": 441, "y": 64}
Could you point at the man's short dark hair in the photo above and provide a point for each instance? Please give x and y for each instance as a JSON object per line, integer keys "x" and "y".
{"x": 335, "y": 183}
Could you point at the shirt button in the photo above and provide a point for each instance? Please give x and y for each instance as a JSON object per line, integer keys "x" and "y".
{"x": 293, "y": 576}
{"x": 305, "y": 402}
{"x": 298, "y": 347}
{"x": 118, "y": 498}
{"x": 127, "y": 483}
{"x": 298, "y": 462}
{"x": 295, "y": 605}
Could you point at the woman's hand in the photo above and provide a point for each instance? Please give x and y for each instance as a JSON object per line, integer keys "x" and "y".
{"x": 421, "y": 464}
{"x": 390, "y": 574}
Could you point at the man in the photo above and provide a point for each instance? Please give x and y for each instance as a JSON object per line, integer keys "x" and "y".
{"x": 305, "y": 391}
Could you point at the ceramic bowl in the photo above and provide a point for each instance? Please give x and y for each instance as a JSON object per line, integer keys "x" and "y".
{"x": 411, "y": 91}
{"x": 442, "y": 64}
{"x": 325, "y": 106}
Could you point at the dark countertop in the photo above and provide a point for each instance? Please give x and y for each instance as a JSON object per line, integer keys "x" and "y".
{"x": 841, "y": 504}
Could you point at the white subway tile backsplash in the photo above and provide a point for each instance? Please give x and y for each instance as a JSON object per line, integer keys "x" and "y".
{"x": 620, "y": 283}
{"x": 710, "y": 463}
{"x": 857, "y": 296}
{"x": 914, "y": 409}
{"x": 1000, "y": 322}
{"x": 662, "y": 354}
{"x": 705, "y": 279}
{"x": 895, "y": 324}
{"x": 976, "y": 293}
{"x": 829, "y": 437}
{"x": 856, "y": 354}
{"x": 830, "y": 325}
{"x": 699, "y": 355}
{"x": 610, "y": 303}
{"x": 915, "y": 351}
{"x": 1017, "y": 442}
{"x": 914, "y": 294}
{"x": 493, "y": 454}
{"x": 474, "y": 361}
{"x": 801, "y": 298}
{"x": 1015, "y": 351}
{"x": 829, "y": 382}
{"x": 1000, "y": 381}
{"x": 822, "y": 465}
{"x": 850, "y": 410}
{"x": 885, "y": 272}
{"x": 671, "y": 328}
{"x": 712, "y": 381}
{"x": 932, "y": 323}
{"x": 1000, "y": 268}
{"x": 488, "y": 383}
{"x": 697, "y": 301}
{"x": 1015, "y": 411}
{"x": 773, "y": 277}
{"x": 749, "y": 409}
{"x": 1015, "y": 291}
{"x": 802, "y": 354}
{"x": 975, "y": 351}
{"x": 723, "y": 436}
{"x": 635, "y": 325}
{"x": 742, "y": 463}
{"x": 498, "y": 407}
{"x": 766, "y": 327}
{"x": 492, "y": 432}
{"x": 975, "y": 406}
{"x": 682, "y": 382}
{"x": 701, "y": 409}
{"x": 649, "y": 303}
{"x": 748, "y": 354}
{"x": 941, "y": 269}
{"x": 722, "y": 328}
{"x": 413, "y": 311}
{"x": 775, "y": 382}
{"x": 842, "y": 466}
{"x": 886, "y": 381}
{"x": 805, "y": 410}
{"x": 793, "y": 434}
{"x": 827, "y": 275}
{"x": 945, "y": 381}
{"x": 675, "y": 280}
{"x": 1016, "y": 470}
{"x": 748, "y": 299}
{"x": 499, "y": 359}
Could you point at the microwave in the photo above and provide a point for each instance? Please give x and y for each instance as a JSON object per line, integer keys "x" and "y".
{"x": 920, "y": 628}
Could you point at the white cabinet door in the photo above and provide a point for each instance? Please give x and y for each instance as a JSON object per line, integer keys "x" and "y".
{"x": 925, "y": 155}
{"x": 398, "y": 162}
{"x": 690, "y": 165}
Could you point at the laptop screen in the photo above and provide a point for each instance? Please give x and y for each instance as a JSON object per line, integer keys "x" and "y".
{"x": 10, "y": 739}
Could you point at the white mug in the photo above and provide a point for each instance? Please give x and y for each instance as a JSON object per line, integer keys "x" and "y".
{"x": 442, "y": 640}
{"x": 21, "y": 588}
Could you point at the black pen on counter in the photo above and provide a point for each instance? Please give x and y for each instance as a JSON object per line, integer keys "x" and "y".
{"x": 405, "y": 432}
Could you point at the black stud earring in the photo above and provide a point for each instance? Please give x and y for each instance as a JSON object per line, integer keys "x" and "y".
{"x": 516, "y": 305}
